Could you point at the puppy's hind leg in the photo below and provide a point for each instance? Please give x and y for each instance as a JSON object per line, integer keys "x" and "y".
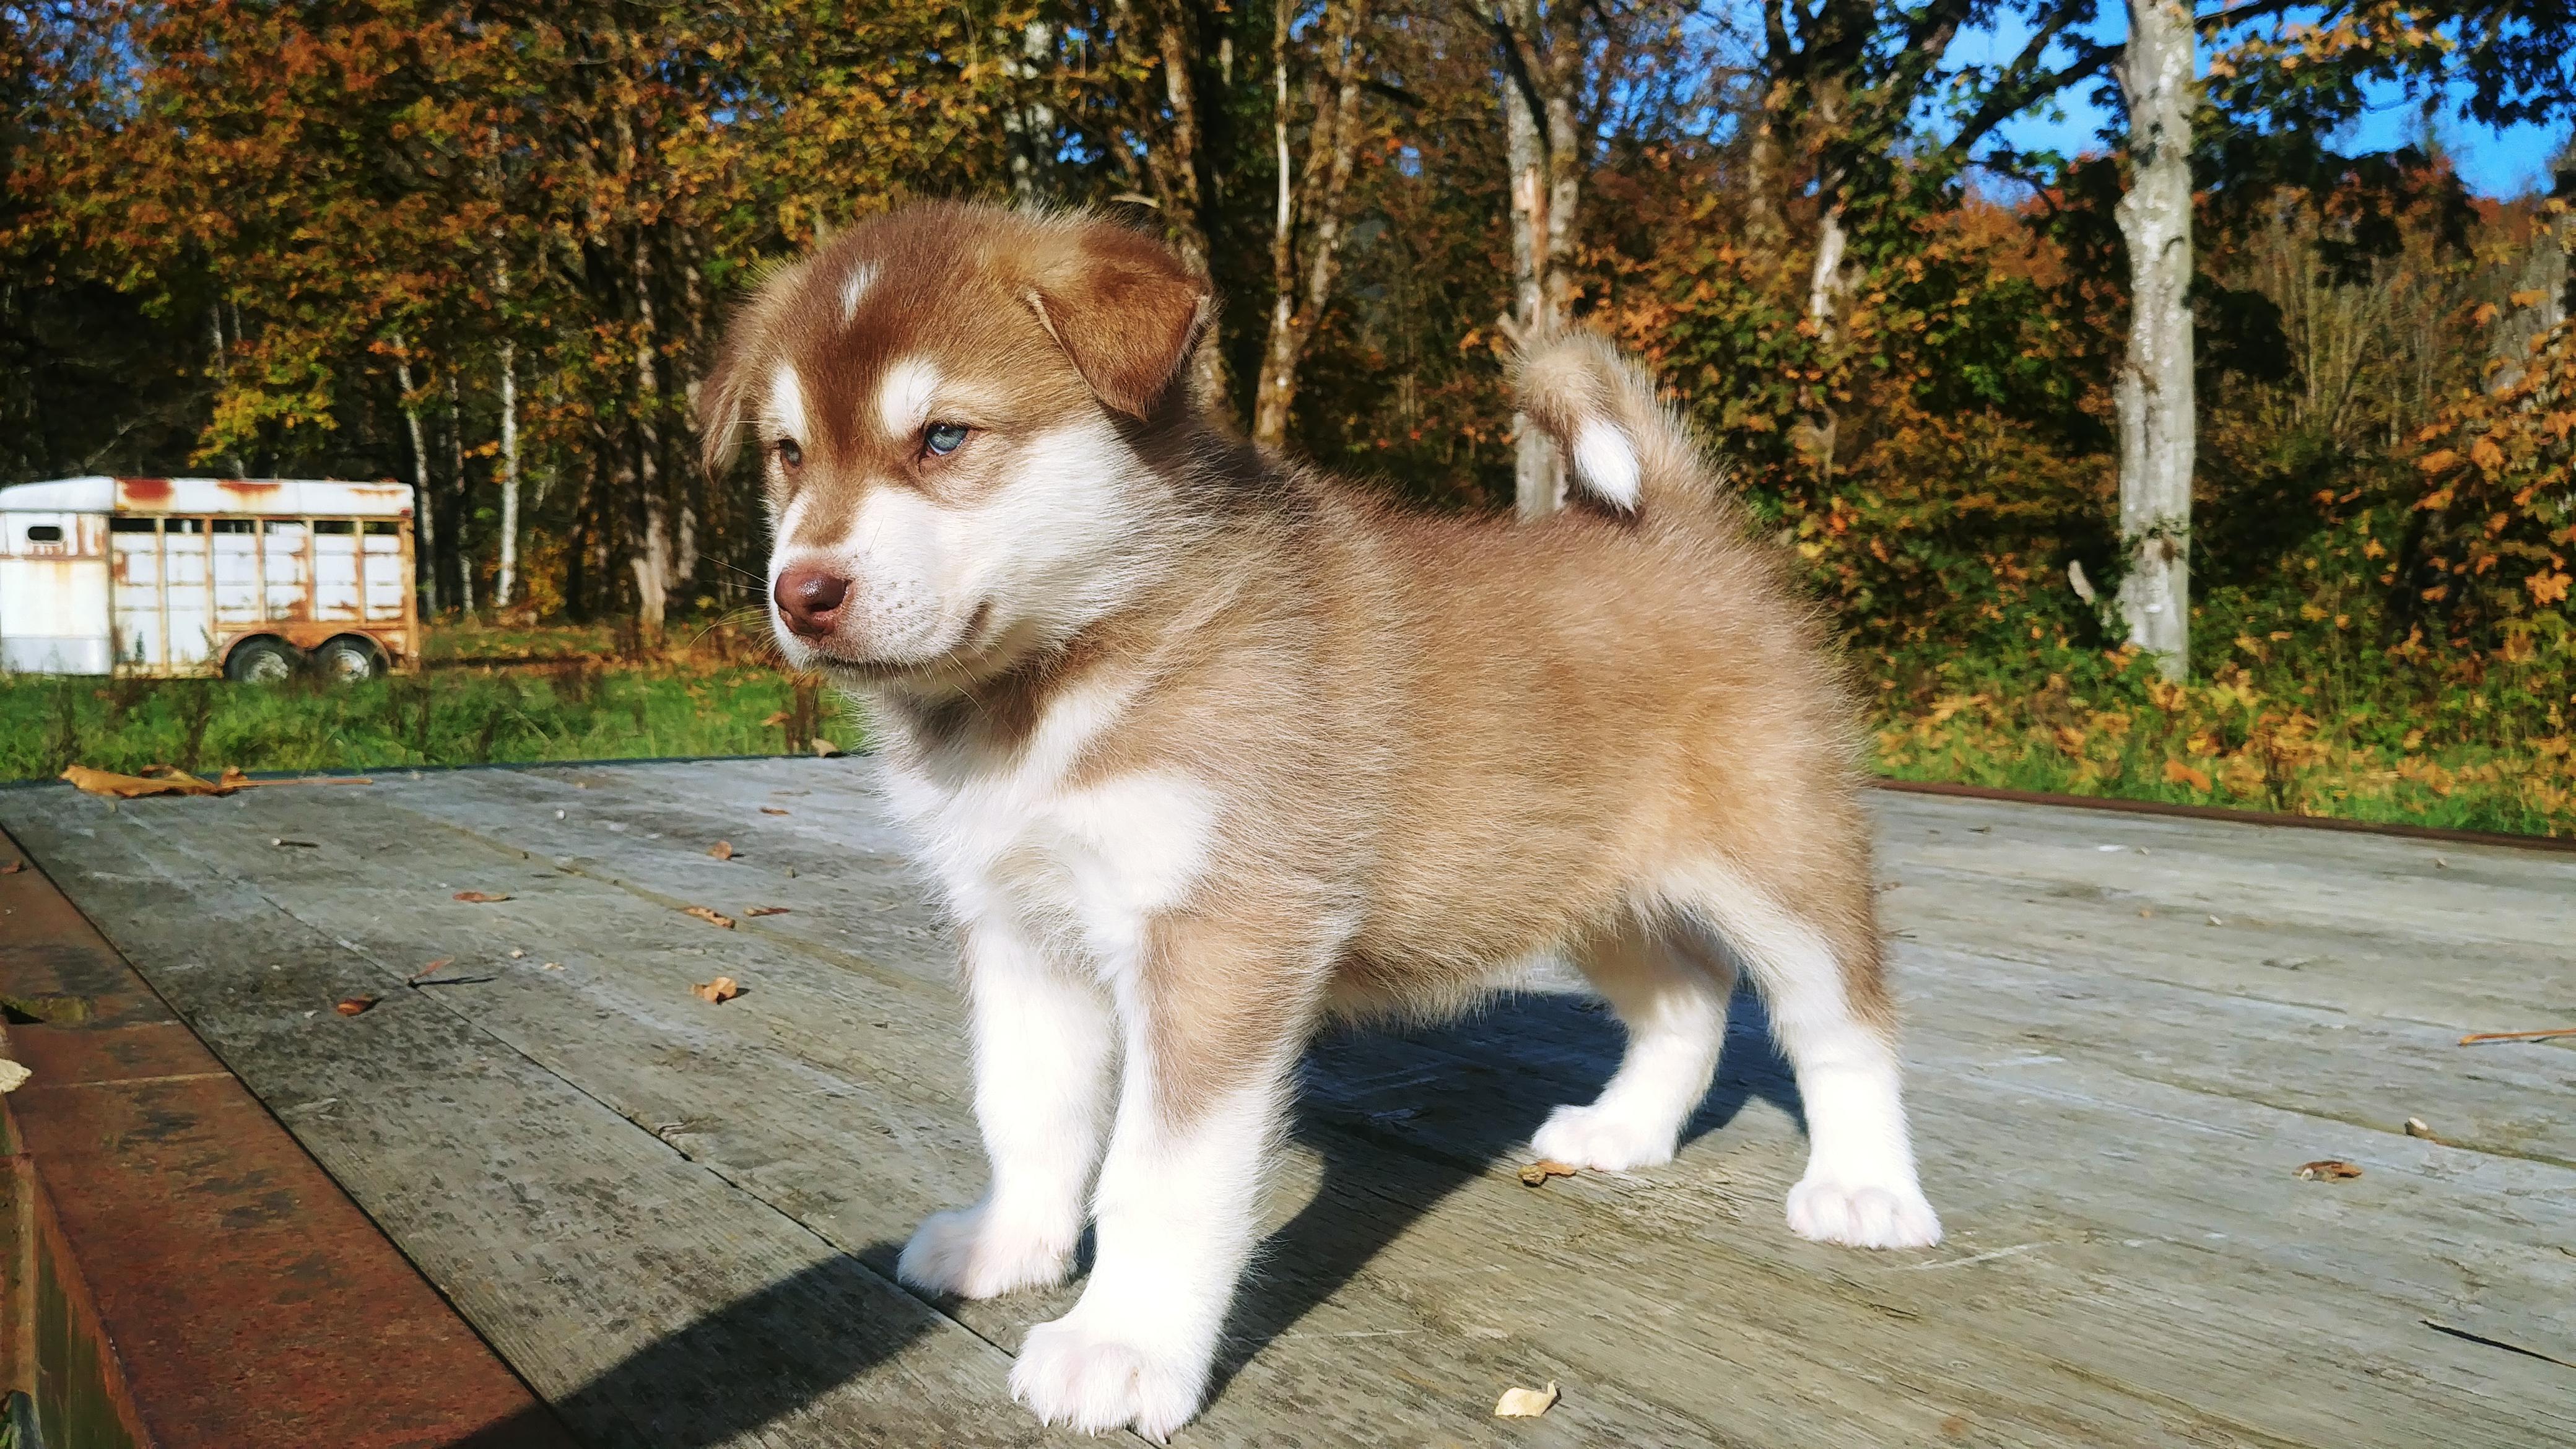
{"x": 1817, "y": 965}
{"x": 1672, "y": 1000}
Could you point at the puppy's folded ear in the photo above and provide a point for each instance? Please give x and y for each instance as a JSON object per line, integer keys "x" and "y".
{"x": 718, "y": 405}
{"x": 1125, "y": 310}
{"x": 719, "y": 398}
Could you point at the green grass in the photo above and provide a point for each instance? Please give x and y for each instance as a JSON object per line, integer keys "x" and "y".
{"x": 565, "y": 698}
{"x": 2388, "y": 747}
{"x": 2371, "y": 742}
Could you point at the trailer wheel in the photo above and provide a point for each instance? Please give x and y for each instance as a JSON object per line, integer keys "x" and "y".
{"x": 349, "y": 660}
{"x": 261, "y": 661}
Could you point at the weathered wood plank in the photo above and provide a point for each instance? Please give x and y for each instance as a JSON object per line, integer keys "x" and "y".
{"x": 699, "y": 1076}
{"x": 651, "y": 1303}
{"x": 2107, "y": 1120}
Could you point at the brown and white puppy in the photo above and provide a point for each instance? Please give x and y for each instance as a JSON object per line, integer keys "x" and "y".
{"x": 1203, "y": 748}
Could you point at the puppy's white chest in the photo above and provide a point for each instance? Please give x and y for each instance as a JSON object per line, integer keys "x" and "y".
{"x": 1079, "y": 866}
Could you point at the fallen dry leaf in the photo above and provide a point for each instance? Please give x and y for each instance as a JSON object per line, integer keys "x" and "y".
{"x": 721, "y": 850}
{"x": 352, "y": 1005}
{"x": 516, "y": 954}
{"x": 1518, "y": 1403}
{"x": 722, "y": 989}
{"x": 2473, "y": 1038}
{"x": 1537, "y": 1173}
{"x": 478, "y": 898}
{"x": 164, "y": 780}
{"x": 771, "y": 810}
{"x": 2328, "y": 1169}
{"x": 432, "y": 966}
{"x": 553, "y": 966}
{"x": 766, "y": 911}
{"x": 2178, "y": 773}
{"x": 130, "y": 787}
{"x": 13, "y": 867}
{"x": 711, "y": 917}
{"x": 828, "y": 750}
{"x": 775, "y": 720}
{"x": 13, "y": 1075}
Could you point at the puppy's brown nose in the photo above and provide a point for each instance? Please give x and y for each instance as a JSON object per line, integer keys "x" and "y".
{"x": 809, "y": 599}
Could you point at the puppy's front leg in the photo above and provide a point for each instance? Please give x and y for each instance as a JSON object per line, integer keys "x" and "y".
{"x": 1205, "y": 1090}
{"x": 1043, "y": 1039}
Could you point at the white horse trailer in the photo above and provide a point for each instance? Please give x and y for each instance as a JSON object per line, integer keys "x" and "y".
{"x": 250, "y": 578}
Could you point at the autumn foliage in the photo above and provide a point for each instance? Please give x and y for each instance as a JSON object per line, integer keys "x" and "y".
{"x": 486, "y": 250}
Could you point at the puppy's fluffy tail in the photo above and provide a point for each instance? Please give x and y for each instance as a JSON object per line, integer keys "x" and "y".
{"x": 1627, "y": 447}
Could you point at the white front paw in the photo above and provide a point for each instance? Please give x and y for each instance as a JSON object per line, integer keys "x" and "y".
{"x": 1094, "y": 1379}
{"x": 1889, "y": 1213}
{"x": 975, "y": 1252}
{"x": 1603, "y": 1139}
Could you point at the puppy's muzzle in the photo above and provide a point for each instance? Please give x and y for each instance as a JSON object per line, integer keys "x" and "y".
{"x": 809, "y": 600}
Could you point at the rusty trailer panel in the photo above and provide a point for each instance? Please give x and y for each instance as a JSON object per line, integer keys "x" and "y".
{"x": 175, "y": 1271}
{"x": 166, "y": 577}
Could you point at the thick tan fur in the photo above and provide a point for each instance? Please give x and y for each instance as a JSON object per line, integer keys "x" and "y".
{"x": 1436, "y": 746}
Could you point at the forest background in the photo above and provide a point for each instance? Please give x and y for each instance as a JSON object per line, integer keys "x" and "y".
{"x": 2217, "y": 456}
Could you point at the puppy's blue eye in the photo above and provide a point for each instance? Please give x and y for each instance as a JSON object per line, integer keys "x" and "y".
{"x": 790, "y": 454}
{"x": 944, "y": 438}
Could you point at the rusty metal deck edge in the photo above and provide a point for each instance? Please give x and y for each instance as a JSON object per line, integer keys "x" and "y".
{"x": 91, "y": 1323}
{"x": 2554, "y": 844}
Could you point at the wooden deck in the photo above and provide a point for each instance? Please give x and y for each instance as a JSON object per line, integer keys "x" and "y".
{"x": 678, "y": 1220}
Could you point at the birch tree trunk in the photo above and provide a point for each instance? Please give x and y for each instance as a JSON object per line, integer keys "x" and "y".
{"x": 1539, "y": 74}
{"x": 1029, "y": 120}
{"x": 2154, "y": 387}
{"x": 424, "y": 512}
{"x": 1314, "y": 198}
{"x": 505, "y": 588}
{"x": 219, "y": 362}
{"x": 1175, "y": 163}
{"x": 653, "y": 565}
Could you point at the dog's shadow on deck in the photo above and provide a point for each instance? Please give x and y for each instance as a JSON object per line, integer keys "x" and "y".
{"x": 1402, "y": 1120}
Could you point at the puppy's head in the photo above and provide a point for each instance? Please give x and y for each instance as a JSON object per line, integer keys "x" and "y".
{"x": 945, "y": 402}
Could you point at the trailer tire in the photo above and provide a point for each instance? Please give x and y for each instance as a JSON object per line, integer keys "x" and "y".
{"x": 262, "y": 661}
{"x": 349, "y": 659}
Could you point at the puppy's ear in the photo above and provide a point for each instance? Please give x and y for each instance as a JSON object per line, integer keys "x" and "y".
{"x": 718, "y": 399}
{"x": 718, "y": 404}
{"x": 1125, "y": 310}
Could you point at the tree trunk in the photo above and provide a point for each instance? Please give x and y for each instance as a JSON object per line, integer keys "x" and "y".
{"x": 506, "y": 587}
{"x": 424, "y": 512}
{"x": 1302, "y": 278}
{"x": 1177, "y": 170}
{"x": 2154, "y": 387}
{"x": 1028, "y": 119}
{"x": 653, "y": 572}
{"x": 1539, "y": 73}
{"x": 505, "y": 584}
{"x": 461, "y": 500}
{"x": 219, "y": 363}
